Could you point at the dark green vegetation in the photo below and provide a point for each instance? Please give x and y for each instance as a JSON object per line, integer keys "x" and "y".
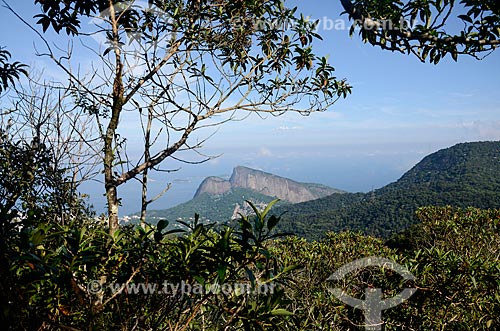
{"x": 9, "y": 72}
{"x": 52, "y": 248}
{"x": 61, "y": 269}
{"x": 76, "y": 276}
{"x": 425, "y": 28}
{"x": 453, "y": 253}
{"x": 465, "y": 175}
{"x": 46, "y": 269}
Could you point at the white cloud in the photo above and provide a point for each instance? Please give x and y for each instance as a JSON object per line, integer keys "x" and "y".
{"x": 488, "y": 130}
{"x": 265, "y": 152}
{"x": 468, "y": 94}
{"x": 289, "y": 128}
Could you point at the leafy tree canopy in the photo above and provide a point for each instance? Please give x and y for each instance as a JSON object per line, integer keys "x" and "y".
{"x": 417, "y": 27}
{"x": 423, "y": 28}
{"x": 194, "y": 64}
{"x": 9, "y": 72}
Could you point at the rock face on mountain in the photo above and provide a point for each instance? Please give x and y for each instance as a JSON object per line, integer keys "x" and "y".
{"x": 213, "y": 185}
{"x": 267, "y": 184}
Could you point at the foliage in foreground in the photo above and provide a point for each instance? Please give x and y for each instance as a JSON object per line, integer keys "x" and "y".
{"x": 47, "y": 269}
{"x": 80, "y": 277}
{"x": 453, "y": 253}
{"x": 61, "y": 269}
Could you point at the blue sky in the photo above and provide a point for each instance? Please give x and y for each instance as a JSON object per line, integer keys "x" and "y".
{"x": 400, "y": 111}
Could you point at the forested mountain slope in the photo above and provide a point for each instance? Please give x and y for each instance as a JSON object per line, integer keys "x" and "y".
{"x": 465, "y": 175}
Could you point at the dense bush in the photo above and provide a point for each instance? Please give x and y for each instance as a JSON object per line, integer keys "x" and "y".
{"x": 62, "y": 270}
{"x": 456, "y": 260}
{"x": 78, "y": 277}
{"x": 453, "y": 253}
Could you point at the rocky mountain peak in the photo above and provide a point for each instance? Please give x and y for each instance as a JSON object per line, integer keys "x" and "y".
{"x": 265, "y": 183}
{"x": 213, "y": 185}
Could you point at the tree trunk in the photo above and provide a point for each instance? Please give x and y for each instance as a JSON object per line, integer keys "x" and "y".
{"x": 144, "y": 198}
{"x": 112, "y": 198}
{"x": 147, "y": 158}
{"x": 109, "y": 145}
{"x": 109, "y": 179}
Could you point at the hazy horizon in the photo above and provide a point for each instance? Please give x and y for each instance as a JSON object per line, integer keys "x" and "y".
{"x": 348, "y": 171}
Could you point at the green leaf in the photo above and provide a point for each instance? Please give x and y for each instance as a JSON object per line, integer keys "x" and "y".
{"x": 38, "y": 237}
{"x": 250, "y": 275}
{"x": 269, "y": 206}
{"x": 107, "y": 50}
{"x": 200, "y": 280}
{"x": 465, "y": 18}
{"x": 175, "y": 231}
{"x": 221, "y": 273}
{"x": 162, "y": 224}
{"x": 272, "y": 222}
{"x": 254, "y": 208}
{"x": 281, "y": 312}
{"x": 158, "y": 236}
{"x": 290, "y": 268}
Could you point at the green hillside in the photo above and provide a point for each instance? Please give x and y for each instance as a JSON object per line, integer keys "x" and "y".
{"x": 211, "y": 207}
{"x": 465, "y": 175}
